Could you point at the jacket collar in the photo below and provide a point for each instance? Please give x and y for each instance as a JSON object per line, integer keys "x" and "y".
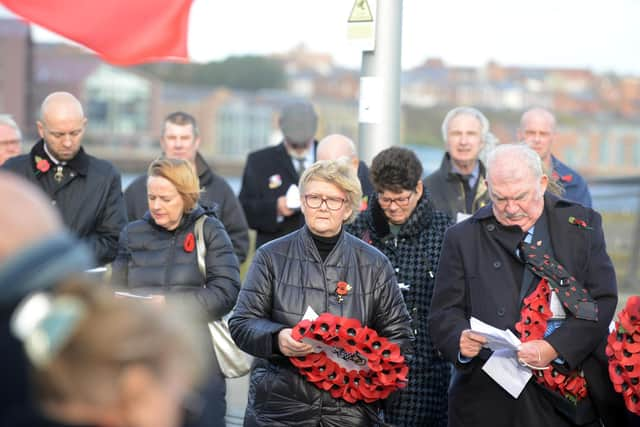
{"x": 309, "y": 245}
{"x": 80, "y": 163}
{"x": 285, "y": 159}
{"x": 418, "y": 220}
{"x": 188, "y": 219}
{"x": 557, "y": 223}
{"x": 447, "y": 168}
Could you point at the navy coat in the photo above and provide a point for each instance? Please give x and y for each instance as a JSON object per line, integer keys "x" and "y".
{"x": 479, "y": 275}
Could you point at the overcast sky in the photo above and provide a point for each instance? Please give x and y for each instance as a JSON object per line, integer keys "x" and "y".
{"x": 603, "y": 36}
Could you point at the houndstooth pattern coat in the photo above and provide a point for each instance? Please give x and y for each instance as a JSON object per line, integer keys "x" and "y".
{"x": 414, "y": 253}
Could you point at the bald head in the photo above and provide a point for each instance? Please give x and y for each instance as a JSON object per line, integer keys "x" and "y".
{"x": 60, "y": 104}
{"x": 62, "y": 125}
{"x": 30, "y": 218}
{"x": 538, "y": 128}
{"x": 335, "y": 146}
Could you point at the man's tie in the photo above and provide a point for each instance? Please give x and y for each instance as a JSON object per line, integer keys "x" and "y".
{"x": 468, "y": 193}
{"x": 573, "y": 295}
{"x": 300, "y": 166}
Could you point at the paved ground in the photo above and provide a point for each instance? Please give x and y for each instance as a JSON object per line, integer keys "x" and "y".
{"x": 237, "y": 389}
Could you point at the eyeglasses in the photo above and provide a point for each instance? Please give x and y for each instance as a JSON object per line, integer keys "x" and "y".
{"x": 314, "y": 201}
{"x": 385, "y": 202}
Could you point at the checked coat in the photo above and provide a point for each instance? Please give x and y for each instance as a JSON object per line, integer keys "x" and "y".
{"x": 414, "y": 254}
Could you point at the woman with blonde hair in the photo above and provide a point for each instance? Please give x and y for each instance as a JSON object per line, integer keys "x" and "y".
{"x": 97, "y": 360}
{"x": 157, "y": 259}
{"x": 304, "y": 269}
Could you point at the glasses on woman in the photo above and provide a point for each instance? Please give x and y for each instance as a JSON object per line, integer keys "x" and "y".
{"x": 385, "y": 202}
{"x": 314, "y": 201}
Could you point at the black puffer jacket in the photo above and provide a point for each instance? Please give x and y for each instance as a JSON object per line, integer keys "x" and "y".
{"x": 152, "y": 259}
{"x": 287, "y": 276}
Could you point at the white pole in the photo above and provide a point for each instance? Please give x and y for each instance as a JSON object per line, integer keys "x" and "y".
{"x": 383, "y": 64}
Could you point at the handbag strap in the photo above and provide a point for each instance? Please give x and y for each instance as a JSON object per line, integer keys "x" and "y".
{"x": 201, "y": 248}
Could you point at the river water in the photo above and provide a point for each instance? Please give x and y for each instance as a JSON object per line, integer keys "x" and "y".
{"x": 607, "y": 198}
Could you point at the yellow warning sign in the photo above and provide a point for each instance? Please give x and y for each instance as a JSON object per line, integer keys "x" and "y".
{"x": 360, "y": 12}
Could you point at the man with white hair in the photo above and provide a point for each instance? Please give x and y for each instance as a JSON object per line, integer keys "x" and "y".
{"x": 538, "y": 130}
{"x": 537, "y": 265}
{"x": 10, "y": 138}
{"x": 457, "y": 187}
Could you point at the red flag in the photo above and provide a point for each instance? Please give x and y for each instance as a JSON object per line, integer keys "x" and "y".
{"x": 122, "y": 32}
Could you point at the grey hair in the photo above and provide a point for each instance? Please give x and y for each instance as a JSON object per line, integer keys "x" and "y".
{"x": 468, "y": 111}
{"x": 519, "y": 151}
{"x": 7, "y": 120}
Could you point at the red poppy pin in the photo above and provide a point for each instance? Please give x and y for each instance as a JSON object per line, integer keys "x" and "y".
{"x": 189, "y": 243}
{"x": 579, "y": 223}
{"x": 563, "y": 178}
{"x": 42, "y": 165}
{"x": 342, "y": 289}
{"x": 364, "y": 203}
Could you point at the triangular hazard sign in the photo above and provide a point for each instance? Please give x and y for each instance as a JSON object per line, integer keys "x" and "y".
{"x": 360, "y": 12}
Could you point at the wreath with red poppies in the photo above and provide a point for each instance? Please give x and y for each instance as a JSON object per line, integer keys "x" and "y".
{"x": 532, "y": 325}
{"x": 623, "y": 351}
{"x": 355, "y": 364}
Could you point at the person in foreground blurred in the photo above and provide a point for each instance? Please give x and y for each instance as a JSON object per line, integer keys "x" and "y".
{"x": 490, "y": 269}
{"x": 301, "y": 270}
{"x": 97, "y": 360}
{"x": 402, "y": 222}
{"x": 36, "y": 252}
{"x": 157, "y": 258}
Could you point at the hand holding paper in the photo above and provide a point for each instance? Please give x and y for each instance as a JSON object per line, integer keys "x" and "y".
{"x": 503, "y": 366}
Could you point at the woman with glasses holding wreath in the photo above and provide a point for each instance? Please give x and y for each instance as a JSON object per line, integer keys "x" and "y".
{"x": 301, "y": 270}
{"x": 402, "y": 223}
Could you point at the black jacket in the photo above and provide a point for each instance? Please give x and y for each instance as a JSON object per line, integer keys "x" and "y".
{"x": 153, "y": 260}
{"x": 217, "y": 195}
{"x": 268, "y": 174}
{"x": 89, "y": 197}
{"x": 480, "y": 276}
{"x": 447, "y": 191}
{"x": 414, "y": 254}
{"x": 288, "y": 275}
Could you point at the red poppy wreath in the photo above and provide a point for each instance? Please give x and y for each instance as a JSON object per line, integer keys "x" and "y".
{"x": 623, "y": 351}
{"x": 353, "y": 362}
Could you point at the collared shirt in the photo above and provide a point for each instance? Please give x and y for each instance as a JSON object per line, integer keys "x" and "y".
{"x": 309, "y": 159}
{"x": 473, "y": 176}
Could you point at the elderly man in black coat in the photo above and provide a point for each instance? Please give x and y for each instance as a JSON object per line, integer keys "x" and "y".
{"x": 489, "y": 270}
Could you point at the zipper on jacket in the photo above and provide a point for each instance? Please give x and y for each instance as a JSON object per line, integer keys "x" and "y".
{"x": 172, "y": 252}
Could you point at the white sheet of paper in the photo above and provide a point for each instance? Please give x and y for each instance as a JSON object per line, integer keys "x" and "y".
{"x": 310, "y": 314}
{"x": 497, "y": 339}
{"x": 504, "y": 369}
{"x": 130, "y": 295}
{"x": 293, "y": 197}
